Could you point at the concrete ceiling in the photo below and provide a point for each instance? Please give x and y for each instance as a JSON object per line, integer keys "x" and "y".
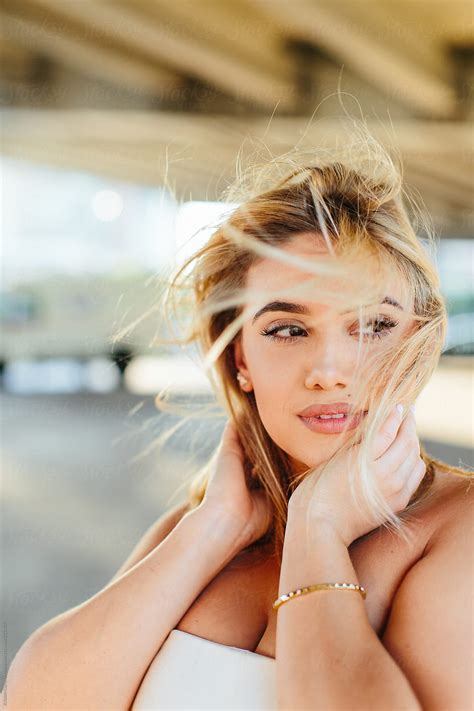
{"x": 157, "y": 91}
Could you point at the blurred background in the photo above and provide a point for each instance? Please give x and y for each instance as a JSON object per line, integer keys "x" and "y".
{"x": 121, "y": 123}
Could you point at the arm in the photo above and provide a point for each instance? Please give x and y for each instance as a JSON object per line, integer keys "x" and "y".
{"x": 156, "y": 533}
{"x": 328, "y": 655}
{"x": 95, "y": 655}
{"x": 425, "y": 657}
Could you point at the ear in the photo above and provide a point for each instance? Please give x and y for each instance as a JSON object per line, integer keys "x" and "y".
{"x": 240, "y": 363}
{"x": 239, "y": 357}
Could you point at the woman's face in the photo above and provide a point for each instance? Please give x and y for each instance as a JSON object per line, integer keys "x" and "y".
{"x": 312, "y": 357}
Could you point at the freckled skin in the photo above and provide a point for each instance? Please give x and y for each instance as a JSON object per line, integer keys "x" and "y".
{"x": 318, "y": 365}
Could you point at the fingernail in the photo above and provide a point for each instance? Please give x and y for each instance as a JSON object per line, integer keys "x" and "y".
{"x": 400, "y": 408}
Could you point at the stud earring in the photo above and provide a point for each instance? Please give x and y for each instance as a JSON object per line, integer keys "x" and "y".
{"x": 242, "y": 380}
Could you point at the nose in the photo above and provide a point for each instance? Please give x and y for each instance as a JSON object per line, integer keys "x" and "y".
{"x": 330, "y": 367}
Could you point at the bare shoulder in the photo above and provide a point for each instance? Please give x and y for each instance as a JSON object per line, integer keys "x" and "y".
{"x": 154, "y": 535}
{"x": 453, "y": 507}
{"x": 427, "y": 623}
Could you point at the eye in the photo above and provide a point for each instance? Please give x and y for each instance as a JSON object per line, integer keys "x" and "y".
{"x": 380, "y": 327}
{"x": 274, "y": 330}
{"x": 376, "y": 328}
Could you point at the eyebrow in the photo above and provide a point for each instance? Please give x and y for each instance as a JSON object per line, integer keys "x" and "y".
{"x": 290, "y": 307}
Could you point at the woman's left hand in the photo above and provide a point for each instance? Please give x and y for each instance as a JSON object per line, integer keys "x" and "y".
{"x": 398, "y": 470}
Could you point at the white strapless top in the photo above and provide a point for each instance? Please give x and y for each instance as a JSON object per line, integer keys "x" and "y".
{"x": 190, "y": 672}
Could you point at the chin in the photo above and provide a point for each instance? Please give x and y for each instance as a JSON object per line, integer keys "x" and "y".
{"x": 320, "y": 453}
{"x": 298, "y": 466}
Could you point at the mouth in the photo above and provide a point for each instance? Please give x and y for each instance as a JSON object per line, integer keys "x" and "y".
{"x": 332, "y": 424}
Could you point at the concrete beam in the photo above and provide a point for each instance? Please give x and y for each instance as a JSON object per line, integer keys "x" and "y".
{"x": 70, "y": 49}
{"x": 349, "y": 41}
{"x": 179, "y": 51}
{"x": 197, "y": 153}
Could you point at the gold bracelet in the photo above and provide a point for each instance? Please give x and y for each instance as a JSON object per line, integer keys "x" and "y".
{"x": 319, "y": 586}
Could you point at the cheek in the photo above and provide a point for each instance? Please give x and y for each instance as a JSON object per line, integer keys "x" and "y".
{"x": 275, "y": 381}
{"x": 267, "y": 361}
{"x": 272, "y": 388}
{"x": 272, "y": 380}
{"x": 273, "y": 373}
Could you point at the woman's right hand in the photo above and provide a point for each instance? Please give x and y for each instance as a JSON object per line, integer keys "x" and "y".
{"x": 227, "y": 492}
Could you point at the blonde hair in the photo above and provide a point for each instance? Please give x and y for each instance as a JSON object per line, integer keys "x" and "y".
{"x": 354, "y": 199}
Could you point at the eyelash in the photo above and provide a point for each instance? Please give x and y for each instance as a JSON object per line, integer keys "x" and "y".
{"x": 388, "y": 325}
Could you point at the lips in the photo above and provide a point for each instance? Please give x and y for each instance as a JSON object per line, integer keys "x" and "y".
{"x": 332, "y": 426}
{"x": 334, "y": 408}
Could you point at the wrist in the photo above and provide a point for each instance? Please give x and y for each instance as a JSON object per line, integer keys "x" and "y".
{"x": 304, "y": 529}
{"x": 220, "y": 528}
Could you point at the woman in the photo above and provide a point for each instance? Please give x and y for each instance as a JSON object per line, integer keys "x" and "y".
{"x": 320, "y": 311}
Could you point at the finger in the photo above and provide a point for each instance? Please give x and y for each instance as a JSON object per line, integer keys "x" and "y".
{"x": 418, "y": 474}
{"x": 388, "y": 432}
{"x": 230, "y": 441}
{"x": 415, "y": 479}
{"x": 405, "y": 445}
{"x": 399, "y": 485}
{"x": 229, "y": 431}
{"x": 402, "y": 476}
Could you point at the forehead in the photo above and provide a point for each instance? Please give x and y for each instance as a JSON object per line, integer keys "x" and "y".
{"x": 272, "y": 274}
